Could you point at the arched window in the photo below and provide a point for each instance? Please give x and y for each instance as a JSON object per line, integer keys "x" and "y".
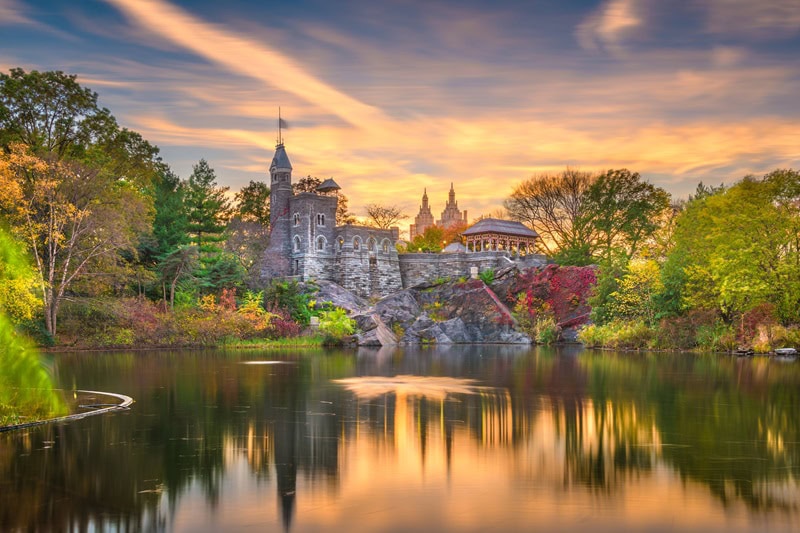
{"x": 385, "y": 246}
{"x": 356, "y": 243}
{"x": 372, "y": 245}
{"x": 321, "y": 243}
{"x": 297, "y": 244}
{"x": 320, "y": 219}
{"x": 341, "y": 243}
{"x": 297, "y": 219}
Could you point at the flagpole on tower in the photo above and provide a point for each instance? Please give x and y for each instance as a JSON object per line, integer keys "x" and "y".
{"x": 280, "y": 136}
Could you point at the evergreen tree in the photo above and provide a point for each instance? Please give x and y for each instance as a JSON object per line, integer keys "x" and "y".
{"x": 207, "y": 213}
{"x": 207, "y": 209}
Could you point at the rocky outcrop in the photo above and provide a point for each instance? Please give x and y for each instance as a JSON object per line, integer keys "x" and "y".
{"x": 447, "y": 313}
{"x": 469, "y": 311}
{"x": 327, "y": 291}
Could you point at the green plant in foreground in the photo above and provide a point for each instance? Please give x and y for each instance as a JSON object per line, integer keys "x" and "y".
{"x": 487, "y": 276}
{"x": 546, "y": 330}
{"x": 26, "y": 391}
{"x": 335, "y": 324}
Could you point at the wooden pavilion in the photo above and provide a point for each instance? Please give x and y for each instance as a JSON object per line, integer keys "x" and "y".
{"x": 494, "y": 234}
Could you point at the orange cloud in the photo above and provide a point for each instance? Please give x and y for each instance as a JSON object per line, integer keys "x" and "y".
{"x": 683, "y": 116}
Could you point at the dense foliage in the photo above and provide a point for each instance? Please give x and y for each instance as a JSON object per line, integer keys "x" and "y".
{"x": 125, "y": 252}
{"x": 115, "y": 238}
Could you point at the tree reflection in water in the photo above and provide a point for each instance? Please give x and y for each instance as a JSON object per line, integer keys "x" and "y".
{"x": 510, "y": 431}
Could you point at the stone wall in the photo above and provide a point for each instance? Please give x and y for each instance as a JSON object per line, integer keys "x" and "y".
{"x": 366, "y": 261}
{"x": 417, "y": 268}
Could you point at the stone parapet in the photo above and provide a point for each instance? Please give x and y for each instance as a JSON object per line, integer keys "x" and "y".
{"x": 418, "y": 268}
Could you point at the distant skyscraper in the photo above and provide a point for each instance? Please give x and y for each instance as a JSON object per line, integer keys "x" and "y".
{"x": 423, "y": 220}
{"x": 451, "y": 215}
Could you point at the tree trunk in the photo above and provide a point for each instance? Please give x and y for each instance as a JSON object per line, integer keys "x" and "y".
{"x": 172, "y": 293}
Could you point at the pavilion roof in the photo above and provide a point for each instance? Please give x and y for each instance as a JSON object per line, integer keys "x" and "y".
{"x": 496, "y": 225}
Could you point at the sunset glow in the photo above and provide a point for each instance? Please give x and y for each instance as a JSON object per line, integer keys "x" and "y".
{"x": 392, "y": 97}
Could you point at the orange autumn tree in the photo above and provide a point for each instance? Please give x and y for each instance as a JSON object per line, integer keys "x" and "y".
{"x": 70, "y": 216}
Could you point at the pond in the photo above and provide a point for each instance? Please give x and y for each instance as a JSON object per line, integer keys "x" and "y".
{"x": 473, "y": 438}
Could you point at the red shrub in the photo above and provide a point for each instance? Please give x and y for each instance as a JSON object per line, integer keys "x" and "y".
{"x": 560, "y": 290}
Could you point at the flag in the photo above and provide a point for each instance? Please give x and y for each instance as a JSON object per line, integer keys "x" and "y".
{"x": 282, "y": 124}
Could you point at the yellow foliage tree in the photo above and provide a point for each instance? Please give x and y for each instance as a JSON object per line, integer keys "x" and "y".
{"x": 69, "y": 215}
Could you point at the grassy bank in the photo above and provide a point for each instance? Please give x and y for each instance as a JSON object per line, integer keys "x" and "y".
{"x": 689, "y": 333}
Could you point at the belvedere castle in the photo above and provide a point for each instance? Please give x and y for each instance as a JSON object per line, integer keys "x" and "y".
{"x": 305, "y": 243}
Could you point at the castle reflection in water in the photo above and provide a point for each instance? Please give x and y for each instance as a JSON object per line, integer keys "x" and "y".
{"x": 430, "y": 440}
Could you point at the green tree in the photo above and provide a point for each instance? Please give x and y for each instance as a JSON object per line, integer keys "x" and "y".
{"x": 174, "y": 267}
{"x": 49, "y": 112}
{"x": 170, "y": 221}
{"x": 207, "y": 210}
{"x": 635, "y": 296}
{"x": 431, "y": 240}
{"x": 739, "y": 247}
{"x": 252, "y": 203}
{"x": 622, "y": 212}
{"x": 610, "y": 273}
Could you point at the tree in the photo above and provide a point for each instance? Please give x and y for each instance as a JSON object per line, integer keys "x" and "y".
{"x": 310, "y": 184}
{"x": 432, "y": 240}
{"x": 50, "y": 112}
{"x": 175, "y": 267}
{"x": 18, "y": 299}
{"x": 384, "y": 217}
{"x": 208, "y": 210}
{"x": 452, "y": 233}
{"x": 740, "y": 247}
{"x": 620, "y": 212}
{"x": 79, "y": 159}
{"x": 554, "y": 206}
{"x": 635, "y": 296}
{"x": 252, "y": 203}
{"x": 170, "y": 222}
{"x": 71, "y": 216}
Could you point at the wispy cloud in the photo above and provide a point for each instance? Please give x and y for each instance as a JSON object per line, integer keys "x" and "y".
{"x": 245, "y": 56}
{"x": 12, "y": 12}
{"x": 755, "y": 18}
{"x": 606, "y": 28}
{"x": 434, "y": 111}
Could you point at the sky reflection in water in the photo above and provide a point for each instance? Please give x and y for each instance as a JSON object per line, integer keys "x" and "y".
{"x": 459, "y": 439}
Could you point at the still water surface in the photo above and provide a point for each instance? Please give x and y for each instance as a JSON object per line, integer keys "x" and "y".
{"x": 452, "y": 439}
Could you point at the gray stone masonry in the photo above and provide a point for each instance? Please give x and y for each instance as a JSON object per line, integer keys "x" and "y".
{"x": 418, "y": 268}
{"x": 367, "y": 260}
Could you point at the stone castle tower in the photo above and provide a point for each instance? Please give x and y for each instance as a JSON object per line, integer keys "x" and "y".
{"x": 278, "y": 251}
{"x": 451, "y": 215}
{"x": 423, "y": 220}
{"x": 306, "y": 244}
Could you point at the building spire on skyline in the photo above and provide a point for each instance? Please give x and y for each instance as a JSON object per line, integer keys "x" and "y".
{"x": 450, "y": 216}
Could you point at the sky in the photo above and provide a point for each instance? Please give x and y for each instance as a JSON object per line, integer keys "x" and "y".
{"x": 392, "y": 97}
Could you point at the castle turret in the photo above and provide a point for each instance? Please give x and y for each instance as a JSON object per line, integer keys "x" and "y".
{"x": 280, "y": 171}
{"x": 280, "y": 197}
